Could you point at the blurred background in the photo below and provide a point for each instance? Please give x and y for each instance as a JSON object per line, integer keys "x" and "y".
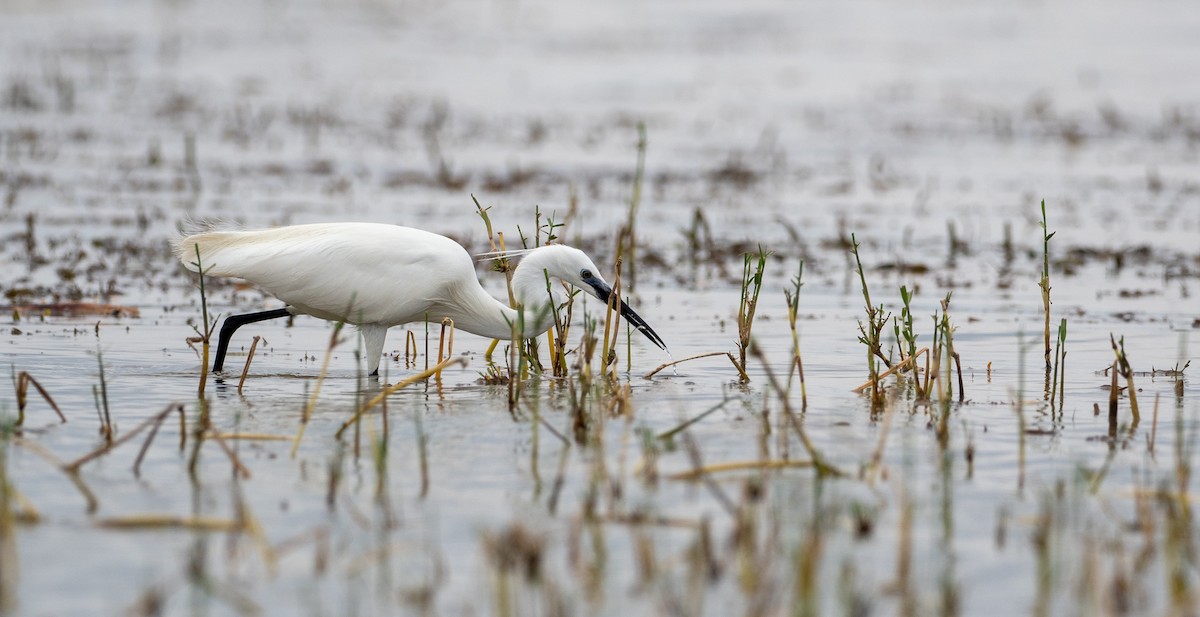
{"x": 872, "y": 112}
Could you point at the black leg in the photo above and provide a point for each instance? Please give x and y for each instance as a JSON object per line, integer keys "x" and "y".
{"x": 232, "y": 323}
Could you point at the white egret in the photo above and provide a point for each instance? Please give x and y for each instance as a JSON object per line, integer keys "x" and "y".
{"x": 376, "y": 276}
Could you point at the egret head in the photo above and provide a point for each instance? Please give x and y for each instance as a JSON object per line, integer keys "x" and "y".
{"x": 573, "y": 266}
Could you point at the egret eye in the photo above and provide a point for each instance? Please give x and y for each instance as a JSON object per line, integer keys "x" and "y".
{"x": 585, "y": 274}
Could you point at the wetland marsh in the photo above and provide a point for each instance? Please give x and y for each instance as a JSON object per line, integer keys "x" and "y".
{"x": 927, "y": 135}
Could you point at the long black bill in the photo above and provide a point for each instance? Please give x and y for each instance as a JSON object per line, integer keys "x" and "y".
{"x": 604, "y": 292}
{"x": 232, "y": 323}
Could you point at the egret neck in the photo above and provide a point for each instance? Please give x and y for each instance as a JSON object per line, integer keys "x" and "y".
{"x": 477, "y": 312}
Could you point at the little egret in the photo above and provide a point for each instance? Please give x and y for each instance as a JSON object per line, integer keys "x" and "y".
{"x": 376, "y": 276}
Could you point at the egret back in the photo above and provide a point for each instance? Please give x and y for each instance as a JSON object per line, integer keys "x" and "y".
{"x": 357, "y": 272}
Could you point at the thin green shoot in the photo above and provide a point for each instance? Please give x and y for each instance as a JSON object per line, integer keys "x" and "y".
{"x": 871, "y": 331}
{"x": 792, "y": 298}
{"x": 1044, "y": 283}
{"x": 1060, "y": 353}
{"x": 902, "y": 325}
{"x": 205, "y": 335}
{"x": 753, "y": 266}
{"x": 952, "y": 357}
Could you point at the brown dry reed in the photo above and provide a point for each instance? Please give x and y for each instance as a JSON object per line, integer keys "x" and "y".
{"x": 246, "y": 368}
{"x": 334, "y": 341}
{"x": 22, "y": 381}
{"x": 100, "y": 396}
{"x": 1122, "y": 365}
{"x": 9, "y": 556}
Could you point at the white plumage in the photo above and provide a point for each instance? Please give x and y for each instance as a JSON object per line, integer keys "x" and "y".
{"x": 377, "y": 276}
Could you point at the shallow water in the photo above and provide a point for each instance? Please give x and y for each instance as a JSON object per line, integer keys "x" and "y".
{"x": 909, "y": 126}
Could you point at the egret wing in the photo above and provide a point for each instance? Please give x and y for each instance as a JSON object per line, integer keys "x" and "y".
{"x": 357, "y": 272}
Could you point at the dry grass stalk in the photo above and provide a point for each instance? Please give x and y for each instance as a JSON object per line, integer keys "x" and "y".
{"x": 101, "y": 397}
{"x": 612, "y": 324}
{"x": 252, "y": 437}
{"x": 233, "y": 457}
{"x": 697, "y": 474}
{"x": 410, "y": 349}
{"x": 645, "y": 557}
{"x": 445, "y": 347}
{"x": 170, "y": 521}
{"x": 501, "y": 263}
{"x": 557, "y": 335}
{"x": 74, "y": 466}
{"x": 962, "y": 392}
{"x": 908, "y": 363}
{"x": 693, "y": 451}
{"x": 642, "y": 519}
{"x": 9, "y": 557}
{"x": 630, "y": 227}
{"x": 1184, "y": 454}
{"x": 246, "y": 369}
{"x": 1153, "y": 427}
{"x": 822, "y": 467}
{"x": 516, "y": 362}
{"x": 249, "y": 523}
{"x": 872, "y": 471}
{"x": 1122, "y": 362}
{"x": 667, "y": 435}
{"x": 156, "y": 423}
{"x": 1113, "y": 393}
{"x": 695, "y": 357}
{"x": 312, "y": 400}
{"x": 902, "y": 585}
{"x": 446, "y": 342}
{"x": 807, "y": 564}
{"x": 24, "y": 379}
{"x": 930, "y": 371}
{"x": 24, "y": 511}
{"x": 422, "y": 449}
{"x": 388, "y": 391}
{"x": 92, "y": 503}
